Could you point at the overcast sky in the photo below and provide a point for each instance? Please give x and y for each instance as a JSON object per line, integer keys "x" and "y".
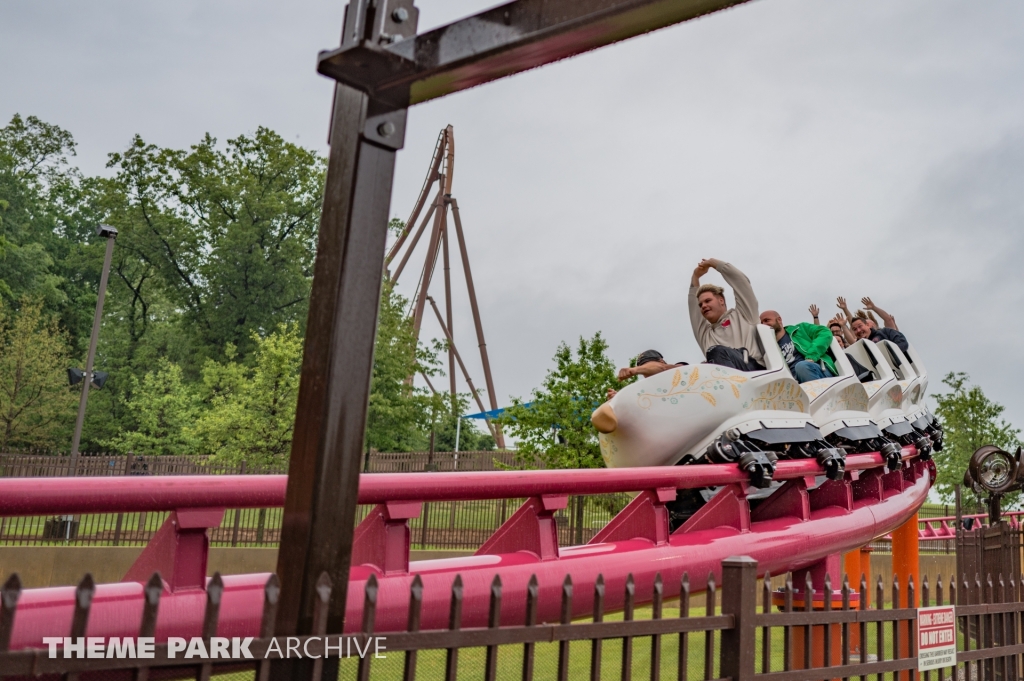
{"x": 826, "y": 148}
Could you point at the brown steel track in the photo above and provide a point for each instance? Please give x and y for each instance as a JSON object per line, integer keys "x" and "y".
{"x": 440, "y": 173}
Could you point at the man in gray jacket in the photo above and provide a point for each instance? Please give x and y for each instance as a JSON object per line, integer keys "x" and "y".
{"x": 727, "y": 336}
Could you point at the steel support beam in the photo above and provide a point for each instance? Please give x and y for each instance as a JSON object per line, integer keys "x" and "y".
{"x": 327, "y": 449}
{"x": 499, "y": 42}
{"x": 330, "y": 423}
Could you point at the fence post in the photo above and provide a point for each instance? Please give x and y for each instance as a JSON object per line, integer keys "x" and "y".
{"x": 739, "y": 599}
{"x": 117, "y": 529}
{"x": 234, "y": 530}
{"x": 260, "y": 525}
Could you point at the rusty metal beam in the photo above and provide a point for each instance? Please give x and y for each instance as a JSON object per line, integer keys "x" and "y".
{"x": 428, "y": 266}
{"x": 330, "y": 419}
{"x": 415, "y": 240}
{"x": 448, "y": 308}
{"x": 499, "y": 42}
{"x": 465, "y": 373}
{"x": 435, "y": 166}
{"x": 481, "y": 343}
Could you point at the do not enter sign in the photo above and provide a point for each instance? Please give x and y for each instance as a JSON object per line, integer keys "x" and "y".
{"x": 936, "y": 637}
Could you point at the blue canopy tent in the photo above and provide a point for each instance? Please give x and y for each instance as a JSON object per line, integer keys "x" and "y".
{"x": 486, "y": 415}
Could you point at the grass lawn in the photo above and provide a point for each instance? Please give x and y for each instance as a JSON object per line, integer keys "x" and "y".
{"x": 431, "y": 664}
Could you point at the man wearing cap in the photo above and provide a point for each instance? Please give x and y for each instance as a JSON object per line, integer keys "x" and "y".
{"x": 648, "y": 363}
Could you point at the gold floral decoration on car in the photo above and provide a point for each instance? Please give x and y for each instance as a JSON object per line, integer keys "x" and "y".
{"x": 778, "y": 396}
{"x": 718, "y": 383}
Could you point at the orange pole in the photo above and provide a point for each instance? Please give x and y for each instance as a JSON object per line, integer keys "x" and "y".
{"x": 906, "y": 563}
{"x": 831, "y": 566}
{"x": 865, "y": 569}
{"x": 852, "y": 569}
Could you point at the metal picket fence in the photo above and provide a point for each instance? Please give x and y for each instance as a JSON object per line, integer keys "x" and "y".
{"x": 742, "y": 633}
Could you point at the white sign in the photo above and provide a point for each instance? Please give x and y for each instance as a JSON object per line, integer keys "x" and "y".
{"x": 936, "y": 637}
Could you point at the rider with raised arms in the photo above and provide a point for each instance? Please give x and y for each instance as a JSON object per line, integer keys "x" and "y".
{"x": 727, "y": 336}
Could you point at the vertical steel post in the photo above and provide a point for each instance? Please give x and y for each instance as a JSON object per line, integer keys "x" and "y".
{"x": 739, "y": 599}
{"x": 76, "y": 439}
{"x": 327, "y": 448}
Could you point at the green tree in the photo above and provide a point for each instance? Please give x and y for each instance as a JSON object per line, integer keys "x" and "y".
{"x": 471, "y": 437}
{"x": 35, "y": 178}
{"x": 399, "y": 414}
{"x": 230, "y": 232}
{"x": 251, "y": 414}
{"x": 969, "y": 420}
{"x": 215, "y": 250}
{"x": 164, "y": 409}
{"x": 36, "y": 405}
{"x": 555, "y": 426}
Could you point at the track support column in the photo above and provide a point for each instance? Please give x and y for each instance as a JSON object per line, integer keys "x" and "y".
{"x": 906, "y": 565}
{"x": 330, "y": 423}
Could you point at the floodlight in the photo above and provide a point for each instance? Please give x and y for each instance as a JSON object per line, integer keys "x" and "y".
{"x": 99, "y": 378}
{"x": 993, "y": 470}
{"x": 106, "y": 231}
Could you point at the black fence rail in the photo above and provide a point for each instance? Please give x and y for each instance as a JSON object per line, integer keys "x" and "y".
{"x": 742, "y": 632}
{"x": 455, "y": 525}
{"x": 33, "y": 464}
{"x": 102, "y": 464}
{"x": 944, "y": 547}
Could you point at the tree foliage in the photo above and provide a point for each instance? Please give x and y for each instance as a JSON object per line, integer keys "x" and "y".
{"x": 969, "y": 420}
{"x": 251, "y": 413}
{"x": 230, "y": 232}
{"x": 208, "y": 295}
{"x": 164, "y": 408}
{"x": 36, "y": 405}
{"x": 36, "y": 186}
{"x": 555, "y": 426}
{"x": 399, "y": 413}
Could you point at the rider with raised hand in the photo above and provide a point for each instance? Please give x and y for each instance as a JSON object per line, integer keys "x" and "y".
{"x": 726, "y": 336}
{"x": 865, "y": 327}
{"x": 887, "y": 319}
{"x": 841, "y": 304}
{"x": 842, "y": 321}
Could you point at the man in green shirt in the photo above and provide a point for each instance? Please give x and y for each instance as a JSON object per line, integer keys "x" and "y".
{"x": 804, "y": 347}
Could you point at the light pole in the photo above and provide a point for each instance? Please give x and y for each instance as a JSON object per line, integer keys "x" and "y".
{"x": 110, "y": 234}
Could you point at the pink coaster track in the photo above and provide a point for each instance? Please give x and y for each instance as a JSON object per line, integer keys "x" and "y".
{"x": 799, "y": 526}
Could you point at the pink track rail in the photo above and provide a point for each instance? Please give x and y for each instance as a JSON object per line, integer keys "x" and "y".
{"x": 800, "y": 526}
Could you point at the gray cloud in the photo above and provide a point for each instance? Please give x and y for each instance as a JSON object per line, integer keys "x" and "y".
{"x": 841, "y": 148}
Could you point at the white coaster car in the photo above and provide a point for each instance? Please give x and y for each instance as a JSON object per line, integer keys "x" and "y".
{"x": 710, "y": 414}
{"x": 713, "y": 414}
{"x": 897, "y": 393}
